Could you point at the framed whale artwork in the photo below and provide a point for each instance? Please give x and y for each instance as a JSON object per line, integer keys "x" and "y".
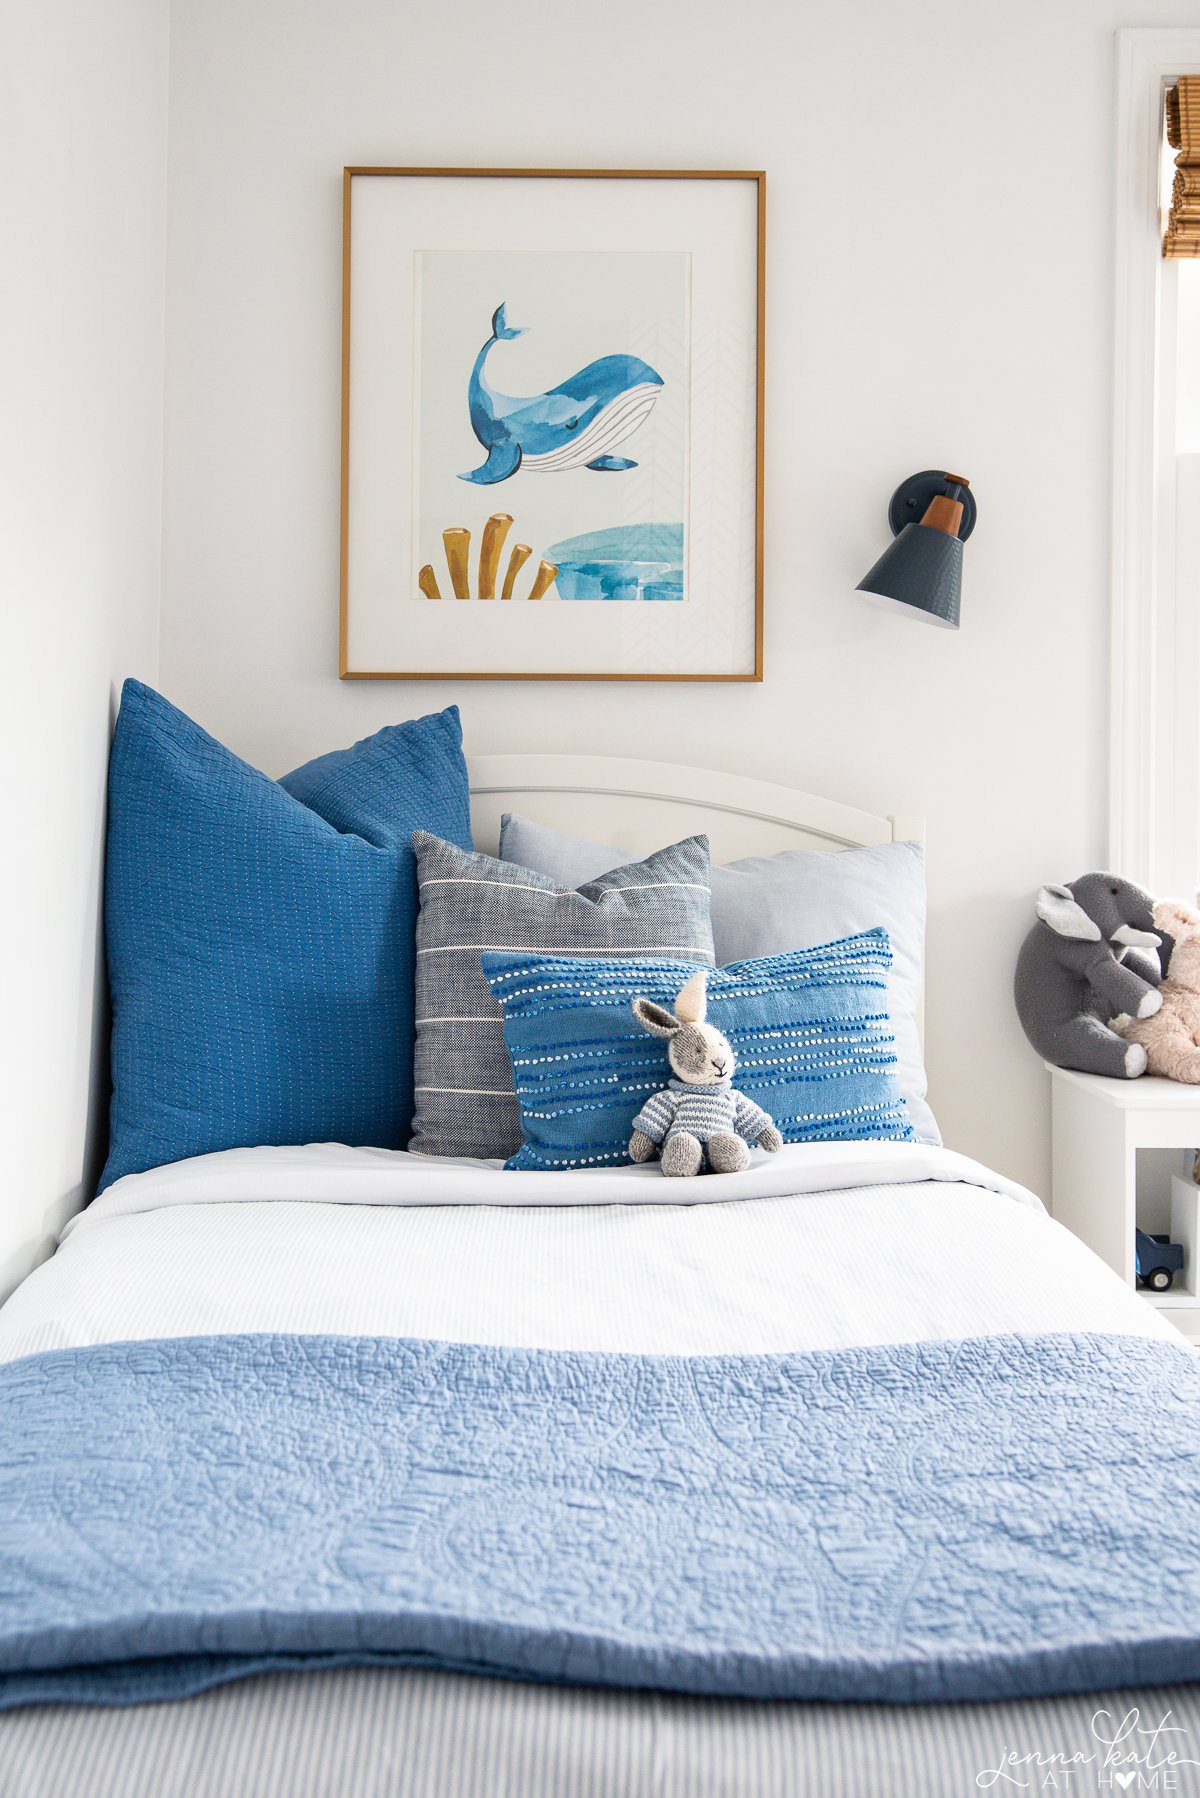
{"x": 552, "y": 396}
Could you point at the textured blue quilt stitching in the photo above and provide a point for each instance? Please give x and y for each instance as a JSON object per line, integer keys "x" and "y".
{"x": 1004, "y": 1515}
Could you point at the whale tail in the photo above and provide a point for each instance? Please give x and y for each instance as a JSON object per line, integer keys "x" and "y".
{"x": 500, "y": 326}
{"x": 504, "y": 459}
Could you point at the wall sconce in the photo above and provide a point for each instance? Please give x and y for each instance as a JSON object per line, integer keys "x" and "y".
{"x": 931, "y": 515}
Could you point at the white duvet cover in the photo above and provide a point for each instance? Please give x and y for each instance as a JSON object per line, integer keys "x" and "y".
{"x": 821, "y": 1246}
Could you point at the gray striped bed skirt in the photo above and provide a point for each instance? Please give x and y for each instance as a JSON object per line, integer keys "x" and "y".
{"x": 367, "y": 1733}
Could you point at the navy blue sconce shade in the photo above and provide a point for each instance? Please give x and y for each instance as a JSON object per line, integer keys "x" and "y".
{"x": 932, "y": 514}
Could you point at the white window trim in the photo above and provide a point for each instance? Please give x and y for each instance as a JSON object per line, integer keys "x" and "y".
{"x": 1150, "y": 731}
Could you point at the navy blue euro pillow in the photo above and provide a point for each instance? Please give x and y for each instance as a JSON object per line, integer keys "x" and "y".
{"x": 260, "y": 934}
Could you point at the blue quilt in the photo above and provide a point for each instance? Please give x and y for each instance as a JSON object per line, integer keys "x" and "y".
{"x": 1002, "y": 1516}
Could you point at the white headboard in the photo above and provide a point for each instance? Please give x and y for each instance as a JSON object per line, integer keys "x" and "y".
{"x": 639, "y": 806}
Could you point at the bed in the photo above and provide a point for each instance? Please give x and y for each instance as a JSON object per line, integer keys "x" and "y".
{"x": 940, "y": 1335}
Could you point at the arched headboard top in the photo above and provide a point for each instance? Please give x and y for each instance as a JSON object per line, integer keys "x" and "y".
{"x": 638, "y": 806}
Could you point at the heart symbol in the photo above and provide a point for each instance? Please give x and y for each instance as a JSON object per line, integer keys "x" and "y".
{"x": 1125, "y": 1780}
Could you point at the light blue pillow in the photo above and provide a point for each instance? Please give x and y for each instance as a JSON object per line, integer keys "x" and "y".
{"x": 768, "y": 904}
{"x": 260, "y": 935}
{"x": 810, "y": 1031}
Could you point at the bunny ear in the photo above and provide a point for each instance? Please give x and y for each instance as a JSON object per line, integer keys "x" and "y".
{"x": 692, "y": 1003}
{"x": 657, "y": 1021}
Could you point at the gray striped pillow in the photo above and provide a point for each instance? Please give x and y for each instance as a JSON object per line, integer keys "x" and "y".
{"x": 465, "y": 1104}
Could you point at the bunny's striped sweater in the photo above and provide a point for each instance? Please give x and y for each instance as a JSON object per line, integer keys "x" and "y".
{"x": 703, "y": 1111}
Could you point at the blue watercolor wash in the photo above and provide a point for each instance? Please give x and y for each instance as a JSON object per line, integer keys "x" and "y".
{"x": 632, "y": 561}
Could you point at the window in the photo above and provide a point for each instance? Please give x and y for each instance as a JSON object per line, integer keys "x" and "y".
{"x": 1155, "y": 723}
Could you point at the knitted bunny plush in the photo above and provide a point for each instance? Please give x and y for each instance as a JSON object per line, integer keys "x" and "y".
{"x": 700, "y": 1120}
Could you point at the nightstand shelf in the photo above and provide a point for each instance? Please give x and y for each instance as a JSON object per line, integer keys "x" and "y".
{"x": 1100, "y": 1126}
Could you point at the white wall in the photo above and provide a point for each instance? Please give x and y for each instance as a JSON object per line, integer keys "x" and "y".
{"x": 939, "y": 254}
{"x": 83, "y": 92}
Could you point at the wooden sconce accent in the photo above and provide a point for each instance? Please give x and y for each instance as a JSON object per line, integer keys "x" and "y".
{"x": 944, "y": 513}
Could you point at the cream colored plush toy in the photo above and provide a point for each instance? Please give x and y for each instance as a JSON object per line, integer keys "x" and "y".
{"x": 1171, "y": 1038}
{"x": 699, "y": 1120}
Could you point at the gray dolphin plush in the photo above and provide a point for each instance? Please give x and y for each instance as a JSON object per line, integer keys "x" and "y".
{"x": 1091, "y": 955}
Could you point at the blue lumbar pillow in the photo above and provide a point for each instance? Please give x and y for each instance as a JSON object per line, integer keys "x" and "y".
{"x": 260, "y": 934}
{"x": 810, "y": 1031}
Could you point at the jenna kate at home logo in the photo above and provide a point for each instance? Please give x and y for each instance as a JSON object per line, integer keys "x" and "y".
{"x": 1128, "y": 1753}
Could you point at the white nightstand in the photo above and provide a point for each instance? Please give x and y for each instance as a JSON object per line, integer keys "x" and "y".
{"x": 1099, "y": 1127}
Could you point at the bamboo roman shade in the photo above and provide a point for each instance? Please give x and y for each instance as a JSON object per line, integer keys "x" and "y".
{"x": 1183, "y": 134}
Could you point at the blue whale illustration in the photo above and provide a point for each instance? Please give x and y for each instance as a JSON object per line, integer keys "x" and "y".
{"x": 575, "y": 425}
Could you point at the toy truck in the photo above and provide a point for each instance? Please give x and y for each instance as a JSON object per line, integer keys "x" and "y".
{"x": 1158, "y": 1261}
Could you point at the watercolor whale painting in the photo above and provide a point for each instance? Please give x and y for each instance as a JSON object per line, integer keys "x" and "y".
{"x": 574, "y": 425}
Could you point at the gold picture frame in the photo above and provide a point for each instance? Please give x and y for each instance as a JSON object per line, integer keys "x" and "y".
{"x": 490, "y": 534}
